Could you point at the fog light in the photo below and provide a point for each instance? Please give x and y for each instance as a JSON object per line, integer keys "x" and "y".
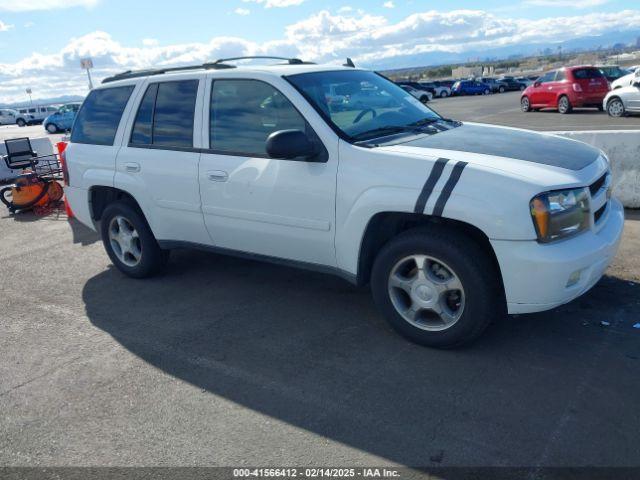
{"x": 574, "y": 278}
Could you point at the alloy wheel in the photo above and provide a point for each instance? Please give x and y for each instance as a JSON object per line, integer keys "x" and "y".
{"x": 426, "y": 292}
{"x": 125, "y": 241}
{"x": 615, "y": 108}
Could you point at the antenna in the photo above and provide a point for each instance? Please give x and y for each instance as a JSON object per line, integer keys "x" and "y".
{"x": 349, "y": 63}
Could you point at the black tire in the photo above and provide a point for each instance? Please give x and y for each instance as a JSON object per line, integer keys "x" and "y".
{"x": 501, "y": 89}
{"x": 564, "y": 105}
{"x": 51, "y": 128}
{"x": 483, "y": 297}
{"x": 525, "y": 104}
{"x": 21, "y": 123}
{"x": 152, "y": 259}
{"x": 615, "y": 108}
{"x": 444, "y": 94}
{"x": 424, "y": 99}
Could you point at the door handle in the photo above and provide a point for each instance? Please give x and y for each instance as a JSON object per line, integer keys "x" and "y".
{"x": 217, "y": 176}
{"x": 132, "y": 167}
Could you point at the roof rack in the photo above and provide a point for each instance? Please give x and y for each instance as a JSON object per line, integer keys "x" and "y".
{"x": 217, "y": 65}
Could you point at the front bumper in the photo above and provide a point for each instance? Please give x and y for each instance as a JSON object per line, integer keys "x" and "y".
{"x": 536, "y": 276}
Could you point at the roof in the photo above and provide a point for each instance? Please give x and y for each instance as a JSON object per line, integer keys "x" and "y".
{"x": 292, "y": 66}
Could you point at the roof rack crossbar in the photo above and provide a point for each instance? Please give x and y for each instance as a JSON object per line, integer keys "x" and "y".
{"x": 217, "y": 65}
{"x": 290, "y": 61}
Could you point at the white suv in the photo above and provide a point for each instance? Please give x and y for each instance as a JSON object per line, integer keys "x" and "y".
{"x": 451, "y": 224}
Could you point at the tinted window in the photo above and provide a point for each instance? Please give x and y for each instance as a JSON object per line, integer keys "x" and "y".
{"x": 561, "y": 75}
{"x": 174, "y": 113}
{"x": 141, "y": 134}
{"x": 98, "y": 119}
{"x": 245, "y": 112}
{"x": 585, "y": 73}
{"x": 547, "y": 77}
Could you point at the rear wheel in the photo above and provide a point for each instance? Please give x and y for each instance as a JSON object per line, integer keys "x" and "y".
{"x": 486, "y": 91}
{"x": 443, "y": 94}
{"x": 525, "y": 105}
{"x": 615, "y": 108}
{"x": 501, "y": 89}
{"x": 564, "y": 105}
{"x": 129, "y": 241}
{"x": 51, "y": 128}
{"x": 436, "y": 287}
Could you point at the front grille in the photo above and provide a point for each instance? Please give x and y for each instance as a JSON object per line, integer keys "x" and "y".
{"x": 598, "y": 184}
{"x": 598, "y": 215}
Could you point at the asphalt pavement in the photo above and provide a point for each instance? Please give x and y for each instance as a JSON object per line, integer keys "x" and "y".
{"x": 504, "y": 109}
{"x": 222, "y": 361}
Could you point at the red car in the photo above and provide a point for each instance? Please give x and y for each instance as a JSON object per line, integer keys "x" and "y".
{"x": 565, "y": 89}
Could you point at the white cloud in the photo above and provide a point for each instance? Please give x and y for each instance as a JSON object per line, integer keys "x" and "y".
{"x": 242, "y": 11}
{"x": 345, "y": 9}
{"x": 566, "y": 3}
{"x": 31, "y": 5}
{"x": 389, "y": 4}
{"x": 322, "y": 37}
{"x": 150, "y": 42}
{"x": 29, "y": 25}
{"x": 4, "y": 26}
{"x": 276, "y": 3}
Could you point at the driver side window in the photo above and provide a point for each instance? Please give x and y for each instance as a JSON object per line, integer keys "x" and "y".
{"x": 244, "y": 113}
{"x": 547, "y": 77}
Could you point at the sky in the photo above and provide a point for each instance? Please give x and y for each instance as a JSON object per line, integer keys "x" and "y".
{"x": 42, "y": 41}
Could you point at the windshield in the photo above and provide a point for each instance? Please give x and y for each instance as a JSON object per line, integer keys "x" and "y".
{"x": 363, "y": 105}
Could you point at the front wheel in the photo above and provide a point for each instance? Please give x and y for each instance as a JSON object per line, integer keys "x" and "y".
{"x": 443, "y": 94}
{"x": 564, "y": 105}
{"x": 615, "y": 108}
{"x": 51, "y": 128}
{"x": 129, "y": 241}
{"x": 502, "y": 89}
{"x": 525, "y": 105}
{"x": 436, "y": 287}
{"x": 486, "y": 92}
{"x": 21, "y": 123}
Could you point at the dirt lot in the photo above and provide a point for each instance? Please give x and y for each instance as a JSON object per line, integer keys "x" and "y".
{"x": 230, "y": 362}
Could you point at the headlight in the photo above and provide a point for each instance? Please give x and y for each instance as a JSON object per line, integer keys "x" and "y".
{"x": 560, "y": 214}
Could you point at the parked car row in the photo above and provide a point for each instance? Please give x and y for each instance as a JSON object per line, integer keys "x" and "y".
{"x": 54, "y": 119}
{"x": 582, "y": 86}
{"x": 25, "y": 116}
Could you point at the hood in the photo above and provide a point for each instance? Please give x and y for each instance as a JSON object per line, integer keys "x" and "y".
{"x": 511, "y": 143}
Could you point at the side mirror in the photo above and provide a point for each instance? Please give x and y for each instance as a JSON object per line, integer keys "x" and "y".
{"x": 537, "y": 84}
{"x": 290, "y": 144}
{"x": 636, "y": 84}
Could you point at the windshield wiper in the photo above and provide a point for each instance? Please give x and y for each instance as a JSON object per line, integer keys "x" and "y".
{"x": 384, "y": 131}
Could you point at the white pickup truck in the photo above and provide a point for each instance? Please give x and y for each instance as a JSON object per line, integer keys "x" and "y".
{"x": 452, "y": 224}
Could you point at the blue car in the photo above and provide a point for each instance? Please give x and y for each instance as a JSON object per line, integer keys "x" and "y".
{"x": 62, "y": 120}
{"x": 470, "y": 87}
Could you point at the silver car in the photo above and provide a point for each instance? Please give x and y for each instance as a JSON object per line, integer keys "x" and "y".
{"x": 622, "y": 101}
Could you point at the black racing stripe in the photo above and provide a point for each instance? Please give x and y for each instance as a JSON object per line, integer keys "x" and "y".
{"x": 434, "y": 176}
{"x": 448, "y": 188}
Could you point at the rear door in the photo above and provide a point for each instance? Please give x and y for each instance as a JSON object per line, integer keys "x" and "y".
{"x": 158, "y": 162}
{"x": 256, "y": 204}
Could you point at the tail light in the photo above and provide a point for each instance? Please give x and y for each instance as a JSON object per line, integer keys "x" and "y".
{"x": 577, "y": 87}
{"x": 62, "y": 146}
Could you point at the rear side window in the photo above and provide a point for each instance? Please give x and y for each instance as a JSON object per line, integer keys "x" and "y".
{"x": 99, "y": 117}
{"x": 586, "y": 73}
{"x": 561, "y": 75}
{"x": 166, "y": 115}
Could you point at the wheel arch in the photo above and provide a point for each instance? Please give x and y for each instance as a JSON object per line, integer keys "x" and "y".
{"x": 101, "y": 196}
{"x": 385, "y": 226}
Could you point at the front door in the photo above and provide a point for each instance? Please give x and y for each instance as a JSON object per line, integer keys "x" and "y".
{"x": 542, "y": 94}
{"x": 256, "y": 204}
